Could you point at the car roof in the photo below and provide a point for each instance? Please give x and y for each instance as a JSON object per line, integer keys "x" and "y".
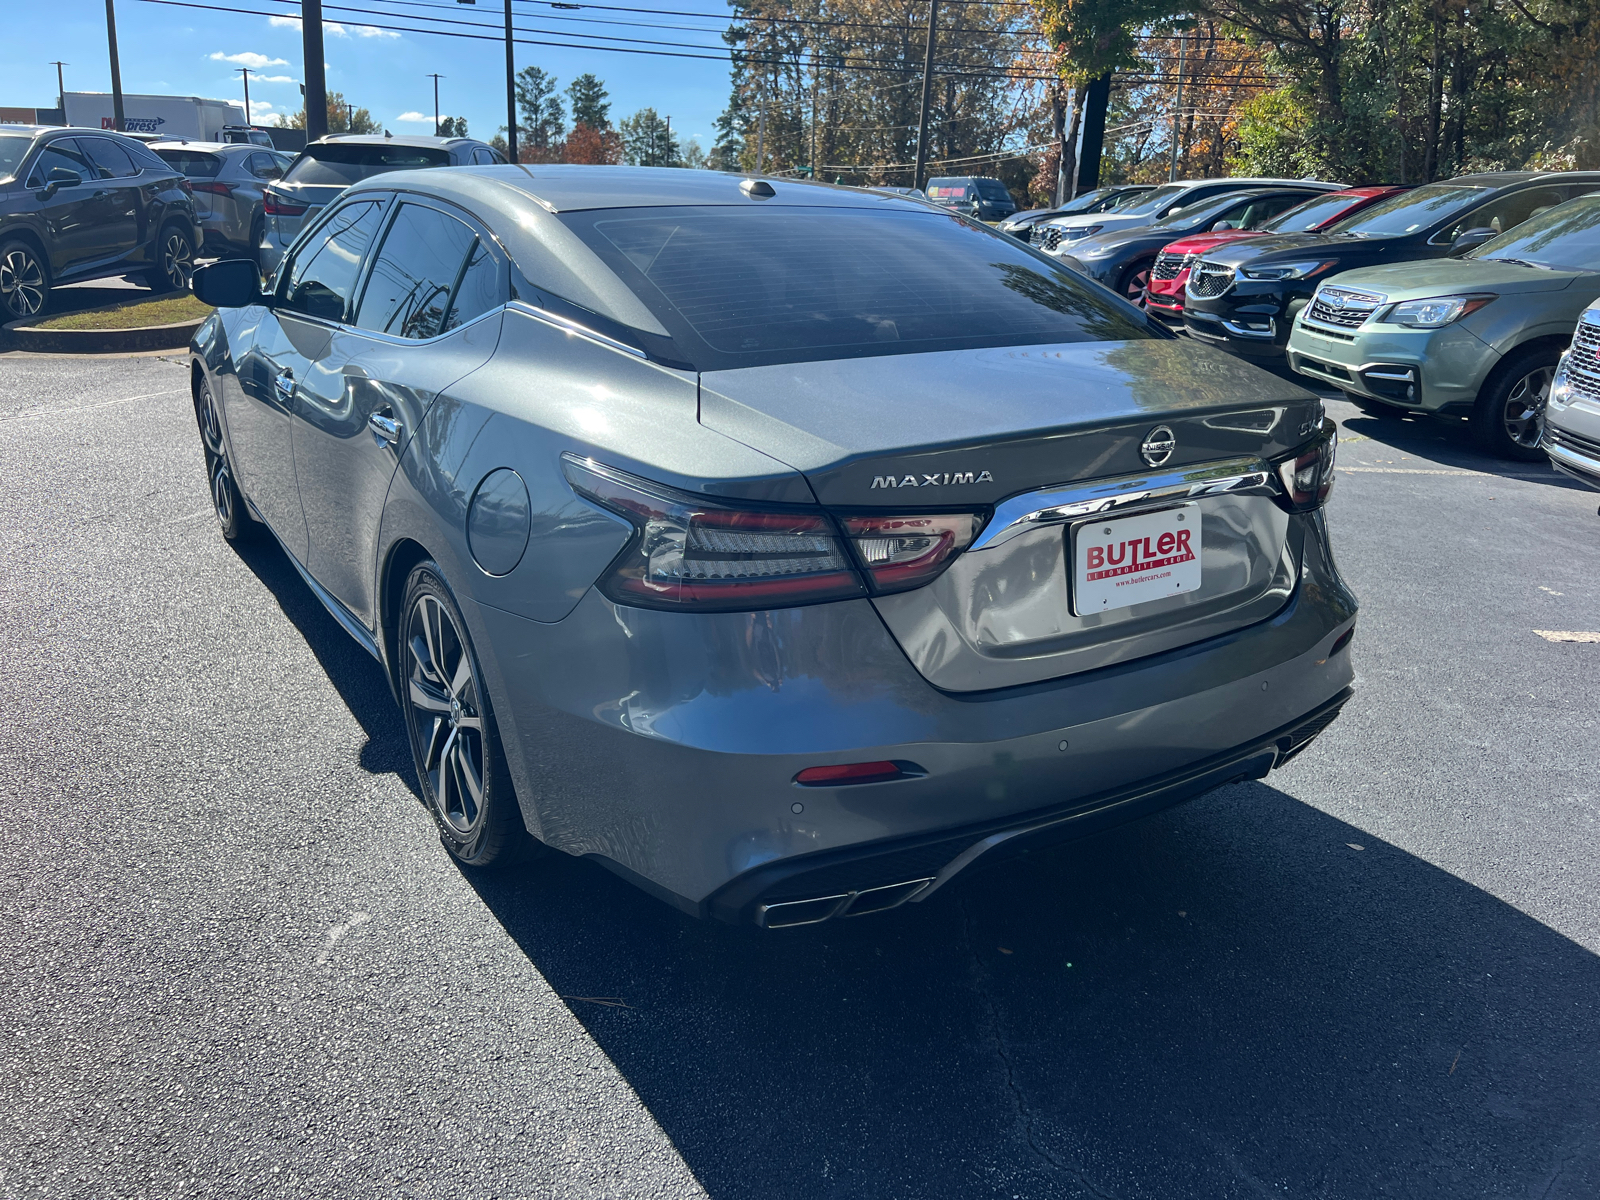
{"x": 1261, "y": 180}
{"x": 404, "y": 139}
{"x": 208, "y": 147}
{"x": 516, "y": 189}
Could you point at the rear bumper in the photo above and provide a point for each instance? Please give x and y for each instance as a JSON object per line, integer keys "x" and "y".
{"x": 666, "y": 745}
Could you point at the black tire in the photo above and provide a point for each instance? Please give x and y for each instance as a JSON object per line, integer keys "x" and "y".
{"x": 24, "y": 281}
{"x": 174, "y": 260}
{"x": 227, "y": 503}
{"x": 1134, "y": 279}
{"x": 454, "y": 741}
{"x": 1508, "y": 419}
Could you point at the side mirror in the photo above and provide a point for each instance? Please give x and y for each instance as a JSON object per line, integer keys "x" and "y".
{"x": 231, "y": 283}
{"x": 60, "y": 177}
{"x": 1222, "y": 225}
{"x": 1469, "y": 239}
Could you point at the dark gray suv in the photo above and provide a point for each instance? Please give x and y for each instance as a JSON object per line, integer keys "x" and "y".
{"x": 80, "y": 204}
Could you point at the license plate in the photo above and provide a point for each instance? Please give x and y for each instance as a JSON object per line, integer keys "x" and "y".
{"x": 1133, "y": 560}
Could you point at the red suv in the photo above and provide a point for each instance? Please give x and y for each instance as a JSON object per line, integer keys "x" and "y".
{"x": 1163, "y": 295}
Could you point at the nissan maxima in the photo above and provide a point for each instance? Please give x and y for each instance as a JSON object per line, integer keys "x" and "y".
{"x": 786, "y": 549}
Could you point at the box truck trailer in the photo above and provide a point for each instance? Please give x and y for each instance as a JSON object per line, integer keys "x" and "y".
{"x": 190, "y": 117}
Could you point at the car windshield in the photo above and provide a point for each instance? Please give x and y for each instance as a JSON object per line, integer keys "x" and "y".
{"x": 1129, "y": 198}
{"x": 342, "y": 163}
{"x": 196, "y": 164}
{"x": 1315, "y": 212}
{"x": 1407, "y": 212}
{"x": 1565, "y": 237}
{"x": 1150, "y": 201}
{"x": 13, "y": 148}
{"x": 740, "y": 287}
{"x": 1198, "y": 211}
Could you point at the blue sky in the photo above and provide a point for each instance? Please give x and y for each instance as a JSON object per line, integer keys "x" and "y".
{"x": 189, "y": 51}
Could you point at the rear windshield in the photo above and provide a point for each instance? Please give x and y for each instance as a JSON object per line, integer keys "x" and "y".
{"x": 1303, "y": 218}
{"x": 344, "y": 164}
{"x": 13, "y": 148}
{"x": 1407, "y": 212}
{"x": 195, "y": 164}
{"x": 1566, "y": 237}
{"x": 744, "y": 287}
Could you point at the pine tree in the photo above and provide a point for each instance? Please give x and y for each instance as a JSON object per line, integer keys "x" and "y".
{"x": 591, "y": 103}
{"x": 543, "y": 118}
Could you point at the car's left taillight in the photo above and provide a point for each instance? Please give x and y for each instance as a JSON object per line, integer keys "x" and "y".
{"x": 276, "y": 206}
{"x": 1306, "y": 474}
{"x": 693, "y": 552}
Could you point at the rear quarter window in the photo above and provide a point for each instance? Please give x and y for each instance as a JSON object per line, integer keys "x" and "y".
{"x": 346, "y": 164}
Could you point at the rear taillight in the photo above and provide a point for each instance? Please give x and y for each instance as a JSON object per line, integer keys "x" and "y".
{"x": 690, "y": 552}
{"x": 900, "y": 553}
{"x": 1307, "y": 474}
{"x": 215, "y": 189}
{"x": 277, "y": 206}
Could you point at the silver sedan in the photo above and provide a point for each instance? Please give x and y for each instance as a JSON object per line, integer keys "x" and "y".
{"x": 785, "y": 549}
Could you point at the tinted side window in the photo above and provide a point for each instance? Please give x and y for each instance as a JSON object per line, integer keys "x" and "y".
{"x": 324, "y": 272}
{"x": 408, "y": 293}
{"x": 108, "y": 156}
{"x": 263, "y": 166}
{"x": 63, "y": 152}
{"x": 1506, "y": 212}
{"x": 482, "y": 288}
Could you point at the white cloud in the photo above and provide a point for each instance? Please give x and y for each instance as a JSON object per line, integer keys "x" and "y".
{"x": 369, "y": 31}
{"x": 249, "y": 59}
{"x": 415, "y": 118}
{"x": 274, "y": 79}
{"x": 284, "y": 22}
{"x": 333, "y": 28}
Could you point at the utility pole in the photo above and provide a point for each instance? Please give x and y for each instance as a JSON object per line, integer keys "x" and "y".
{"x": 316, "y": 77}
{"x": 761, "y": 129}
{"x": 667, "y": 152}
{"x": 245, "y": 71}
{"x": 349, "y": 117}
{"x": 511, "y": 90}
{"x": 927, "y": 95}
{"x": 1177, "y": 109}
{"x": 436, "y": 78}
{"x": 118, "y": 120}
{"x": 61, "y": 90}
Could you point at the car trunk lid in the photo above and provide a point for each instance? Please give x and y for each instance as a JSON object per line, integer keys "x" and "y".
{"x": 967, "y": 430}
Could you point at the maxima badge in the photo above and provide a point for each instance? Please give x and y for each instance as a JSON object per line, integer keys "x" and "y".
{"x": 1158, "y": 446}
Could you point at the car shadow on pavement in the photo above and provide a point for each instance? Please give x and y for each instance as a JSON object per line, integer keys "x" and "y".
{"x": 353, "y": 672}
{"x": 1240, "y": 997}
{"x": 1445, "y": 441}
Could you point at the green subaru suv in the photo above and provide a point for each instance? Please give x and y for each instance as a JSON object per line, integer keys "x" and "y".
{"x": 1477, "y": 335}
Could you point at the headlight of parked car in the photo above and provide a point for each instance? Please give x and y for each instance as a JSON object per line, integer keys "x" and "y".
{"x": 1435, "y": 311}
{"x": 1561, "y": 384}
{"x": 1074, "y": 235}
{"x": 1298, "y": 270}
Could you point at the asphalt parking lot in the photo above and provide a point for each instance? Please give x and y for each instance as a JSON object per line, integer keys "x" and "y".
{"x": 238, "y": 963}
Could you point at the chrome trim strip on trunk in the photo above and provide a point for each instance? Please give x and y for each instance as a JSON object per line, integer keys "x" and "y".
{"x": 1058, "y": 505}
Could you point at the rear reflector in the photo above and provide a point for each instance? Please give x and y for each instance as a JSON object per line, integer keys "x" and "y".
{"x": 868, "y": 772}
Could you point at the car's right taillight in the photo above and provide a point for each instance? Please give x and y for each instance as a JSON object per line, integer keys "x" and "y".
{"x": 276, "y": 206}
{"x": 1306, "y": 474}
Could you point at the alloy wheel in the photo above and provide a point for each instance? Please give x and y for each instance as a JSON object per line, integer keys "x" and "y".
{"x": 1137, "y": 282}
{"x": 177, "y": 260}
{"x": 22, "y": 287}
{"x": 223, "y": 493}
{"x": 210, "y": 426}
{"x": 1524, "y": 407}
{"x": 446, "y": 702}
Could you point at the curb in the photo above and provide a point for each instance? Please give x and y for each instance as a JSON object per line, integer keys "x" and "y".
{"x": 18, "y": 336}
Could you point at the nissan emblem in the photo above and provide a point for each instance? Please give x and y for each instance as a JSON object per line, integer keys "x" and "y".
{"x": 1158, "y": 446}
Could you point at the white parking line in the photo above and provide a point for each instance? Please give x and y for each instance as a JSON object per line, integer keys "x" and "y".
{"x": 53, "y": 412}
{"x": 1556, "y": 635}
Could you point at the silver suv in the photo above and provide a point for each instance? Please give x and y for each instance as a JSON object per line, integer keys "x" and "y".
{"x": 329, "y": 165}
{"x": 229, "y": 182}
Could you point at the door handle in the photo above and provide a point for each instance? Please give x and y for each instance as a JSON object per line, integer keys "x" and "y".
{"x": 385, "y": 429}
{"x": 285, "y": 385}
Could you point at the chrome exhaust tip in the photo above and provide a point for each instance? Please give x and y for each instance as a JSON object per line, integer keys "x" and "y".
{"x": 789, "y": 913}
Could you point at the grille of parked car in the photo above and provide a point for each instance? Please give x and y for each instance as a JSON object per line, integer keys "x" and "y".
{"x": 1050, "y": 237}
{"x": 1168, "y": 265}
{"x": 1578, "y": 444}
{"x": 1583, "y": 365}
{"x": 1343, "y": 307}
{"x": 1210, "y": 279}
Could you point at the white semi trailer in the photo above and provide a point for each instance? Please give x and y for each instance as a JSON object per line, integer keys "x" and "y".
{"x": 190, "y": 117}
